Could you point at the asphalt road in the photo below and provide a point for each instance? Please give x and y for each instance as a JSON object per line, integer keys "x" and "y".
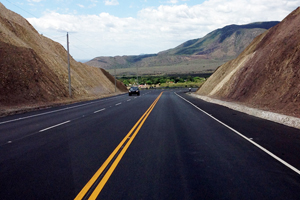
{"x": 163, "y": 144}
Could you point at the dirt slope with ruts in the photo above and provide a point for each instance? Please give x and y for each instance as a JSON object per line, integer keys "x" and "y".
{"x": 266, "y": 75}
{"x": 33, "y": 69}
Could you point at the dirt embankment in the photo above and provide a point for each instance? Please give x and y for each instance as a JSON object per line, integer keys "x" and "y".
{"x": 33, "y": 69}
{"x": 266, "y": 75}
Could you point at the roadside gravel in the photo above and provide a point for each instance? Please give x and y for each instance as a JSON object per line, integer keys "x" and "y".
{"x": 275, "y": 117}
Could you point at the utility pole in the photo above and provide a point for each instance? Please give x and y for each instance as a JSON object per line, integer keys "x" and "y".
{"x": 115, "y": 80}
{"x": 69, "y": 72}
{"x": 115, "y": 66}
{"x": 137, "y": 75}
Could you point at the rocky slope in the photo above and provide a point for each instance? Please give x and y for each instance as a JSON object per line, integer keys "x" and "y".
{"x": 266, "y": 75}
{"x": 222, "y": 44}
{"x": 33, "y": 68}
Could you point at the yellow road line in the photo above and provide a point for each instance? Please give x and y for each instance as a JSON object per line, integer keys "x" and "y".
{"x": 99, "y": 187}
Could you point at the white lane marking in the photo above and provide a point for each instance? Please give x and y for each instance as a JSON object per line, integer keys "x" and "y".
{"x": 129, "y": 100}
{"x": 31, "y": 116}
{"x": 249, "y": 140}
{"x": 99, "y": 110}
{"x": 54, "y": 111}
{"x": 118, "y": 104}
{"x": 54, "y": 126}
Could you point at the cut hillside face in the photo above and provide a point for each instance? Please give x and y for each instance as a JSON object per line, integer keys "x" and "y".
{"x": 33, "y": 68}
{"x": 266, "y": 75}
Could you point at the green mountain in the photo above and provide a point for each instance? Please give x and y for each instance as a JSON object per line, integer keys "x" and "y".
{"x": 225, "y": 42}
{"x": 194, "y": 56}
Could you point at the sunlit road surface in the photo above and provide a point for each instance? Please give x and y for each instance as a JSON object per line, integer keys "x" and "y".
{"x": 163, "y": 144}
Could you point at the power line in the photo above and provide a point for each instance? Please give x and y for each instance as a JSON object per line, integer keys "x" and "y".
{"x": 22, "y": 9}
{"x": 85, "y": 44}
{"x": 80, "y": 49}
{"x": 58, "y": 37}
{"x": 35, "y": 17}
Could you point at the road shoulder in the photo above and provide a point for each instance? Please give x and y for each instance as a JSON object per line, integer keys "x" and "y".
{"x": 275, "y": 117}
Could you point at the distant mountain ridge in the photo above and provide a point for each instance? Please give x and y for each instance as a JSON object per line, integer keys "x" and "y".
{"x": 222, "y": 44}
{"x": 217, "y": 39}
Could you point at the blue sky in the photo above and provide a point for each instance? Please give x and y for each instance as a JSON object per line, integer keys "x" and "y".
{"x": 133, "y": 27}
{"x": 120, "y": 8}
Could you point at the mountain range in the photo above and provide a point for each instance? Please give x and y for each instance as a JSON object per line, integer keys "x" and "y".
{"x": 197, "y": 55}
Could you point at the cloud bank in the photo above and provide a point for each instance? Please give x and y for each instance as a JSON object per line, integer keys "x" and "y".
{"x": 111, "y": 2}
{"x": 157, "y": 28}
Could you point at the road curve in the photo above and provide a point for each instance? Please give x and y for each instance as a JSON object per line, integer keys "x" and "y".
{"x": 168, "y": 149}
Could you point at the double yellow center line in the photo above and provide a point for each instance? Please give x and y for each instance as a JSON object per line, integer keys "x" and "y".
{"x": 93, "y": 188}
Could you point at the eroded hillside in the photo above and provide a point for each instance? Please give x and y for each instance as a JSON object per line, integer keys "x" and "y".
{"x": 266, "y": 74}
{"x": 34, "y": 68}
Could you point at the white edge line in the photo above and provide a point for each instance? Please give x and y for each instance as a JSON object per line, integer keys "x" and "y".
{"x": 254, "y": 143}
{"x": 45, "y": 113}
{"x": 54, "y": 111}
{"x": 99, "y": 110}
{"x": 118, "y": 104}
{"x": 54, "y": 126}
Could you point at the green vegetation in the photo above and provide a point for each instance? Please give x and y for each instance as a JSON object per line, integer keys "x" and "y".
{"x": 189, "y": 67}
{"x": 164, "y": 81}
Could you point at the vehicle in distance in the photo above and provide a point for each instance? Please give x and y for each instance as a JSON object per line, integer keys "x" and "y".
{"x": 134, "y": 90}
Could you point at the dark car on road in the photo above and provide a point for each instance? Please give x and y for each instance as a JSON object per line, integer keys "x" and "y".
{"x": 134, "y": 90}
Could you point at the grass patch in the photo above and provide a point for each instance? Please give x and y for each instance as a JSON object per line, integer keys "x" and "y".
{"x": 164, "y": 81}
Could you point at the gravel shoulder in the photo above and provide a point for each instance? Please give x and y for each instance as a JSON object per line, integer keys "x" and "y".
{"x": 275, "y": 117}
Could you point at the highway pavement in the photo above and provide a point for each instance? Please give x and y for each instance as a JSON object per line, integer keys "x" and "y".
{"x": 164, "y": 144}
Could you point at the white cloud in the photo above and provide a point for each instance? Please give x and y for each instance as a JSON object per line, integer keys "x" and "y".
{"x": 173, "y": 1}
{"x": 156, "y": 29}
{"x": 92, "y": 5}
{"x": 111, "y": 2}
{"x": 81, "y": 6}
{"x": 35, "y": 1}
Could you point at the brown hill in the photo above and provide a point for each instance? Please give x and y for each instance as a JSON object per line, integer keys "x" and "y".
{"x": 33, "y": 68}
{"x": 266, "y": 74}
{"x": 209, "y": 52}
